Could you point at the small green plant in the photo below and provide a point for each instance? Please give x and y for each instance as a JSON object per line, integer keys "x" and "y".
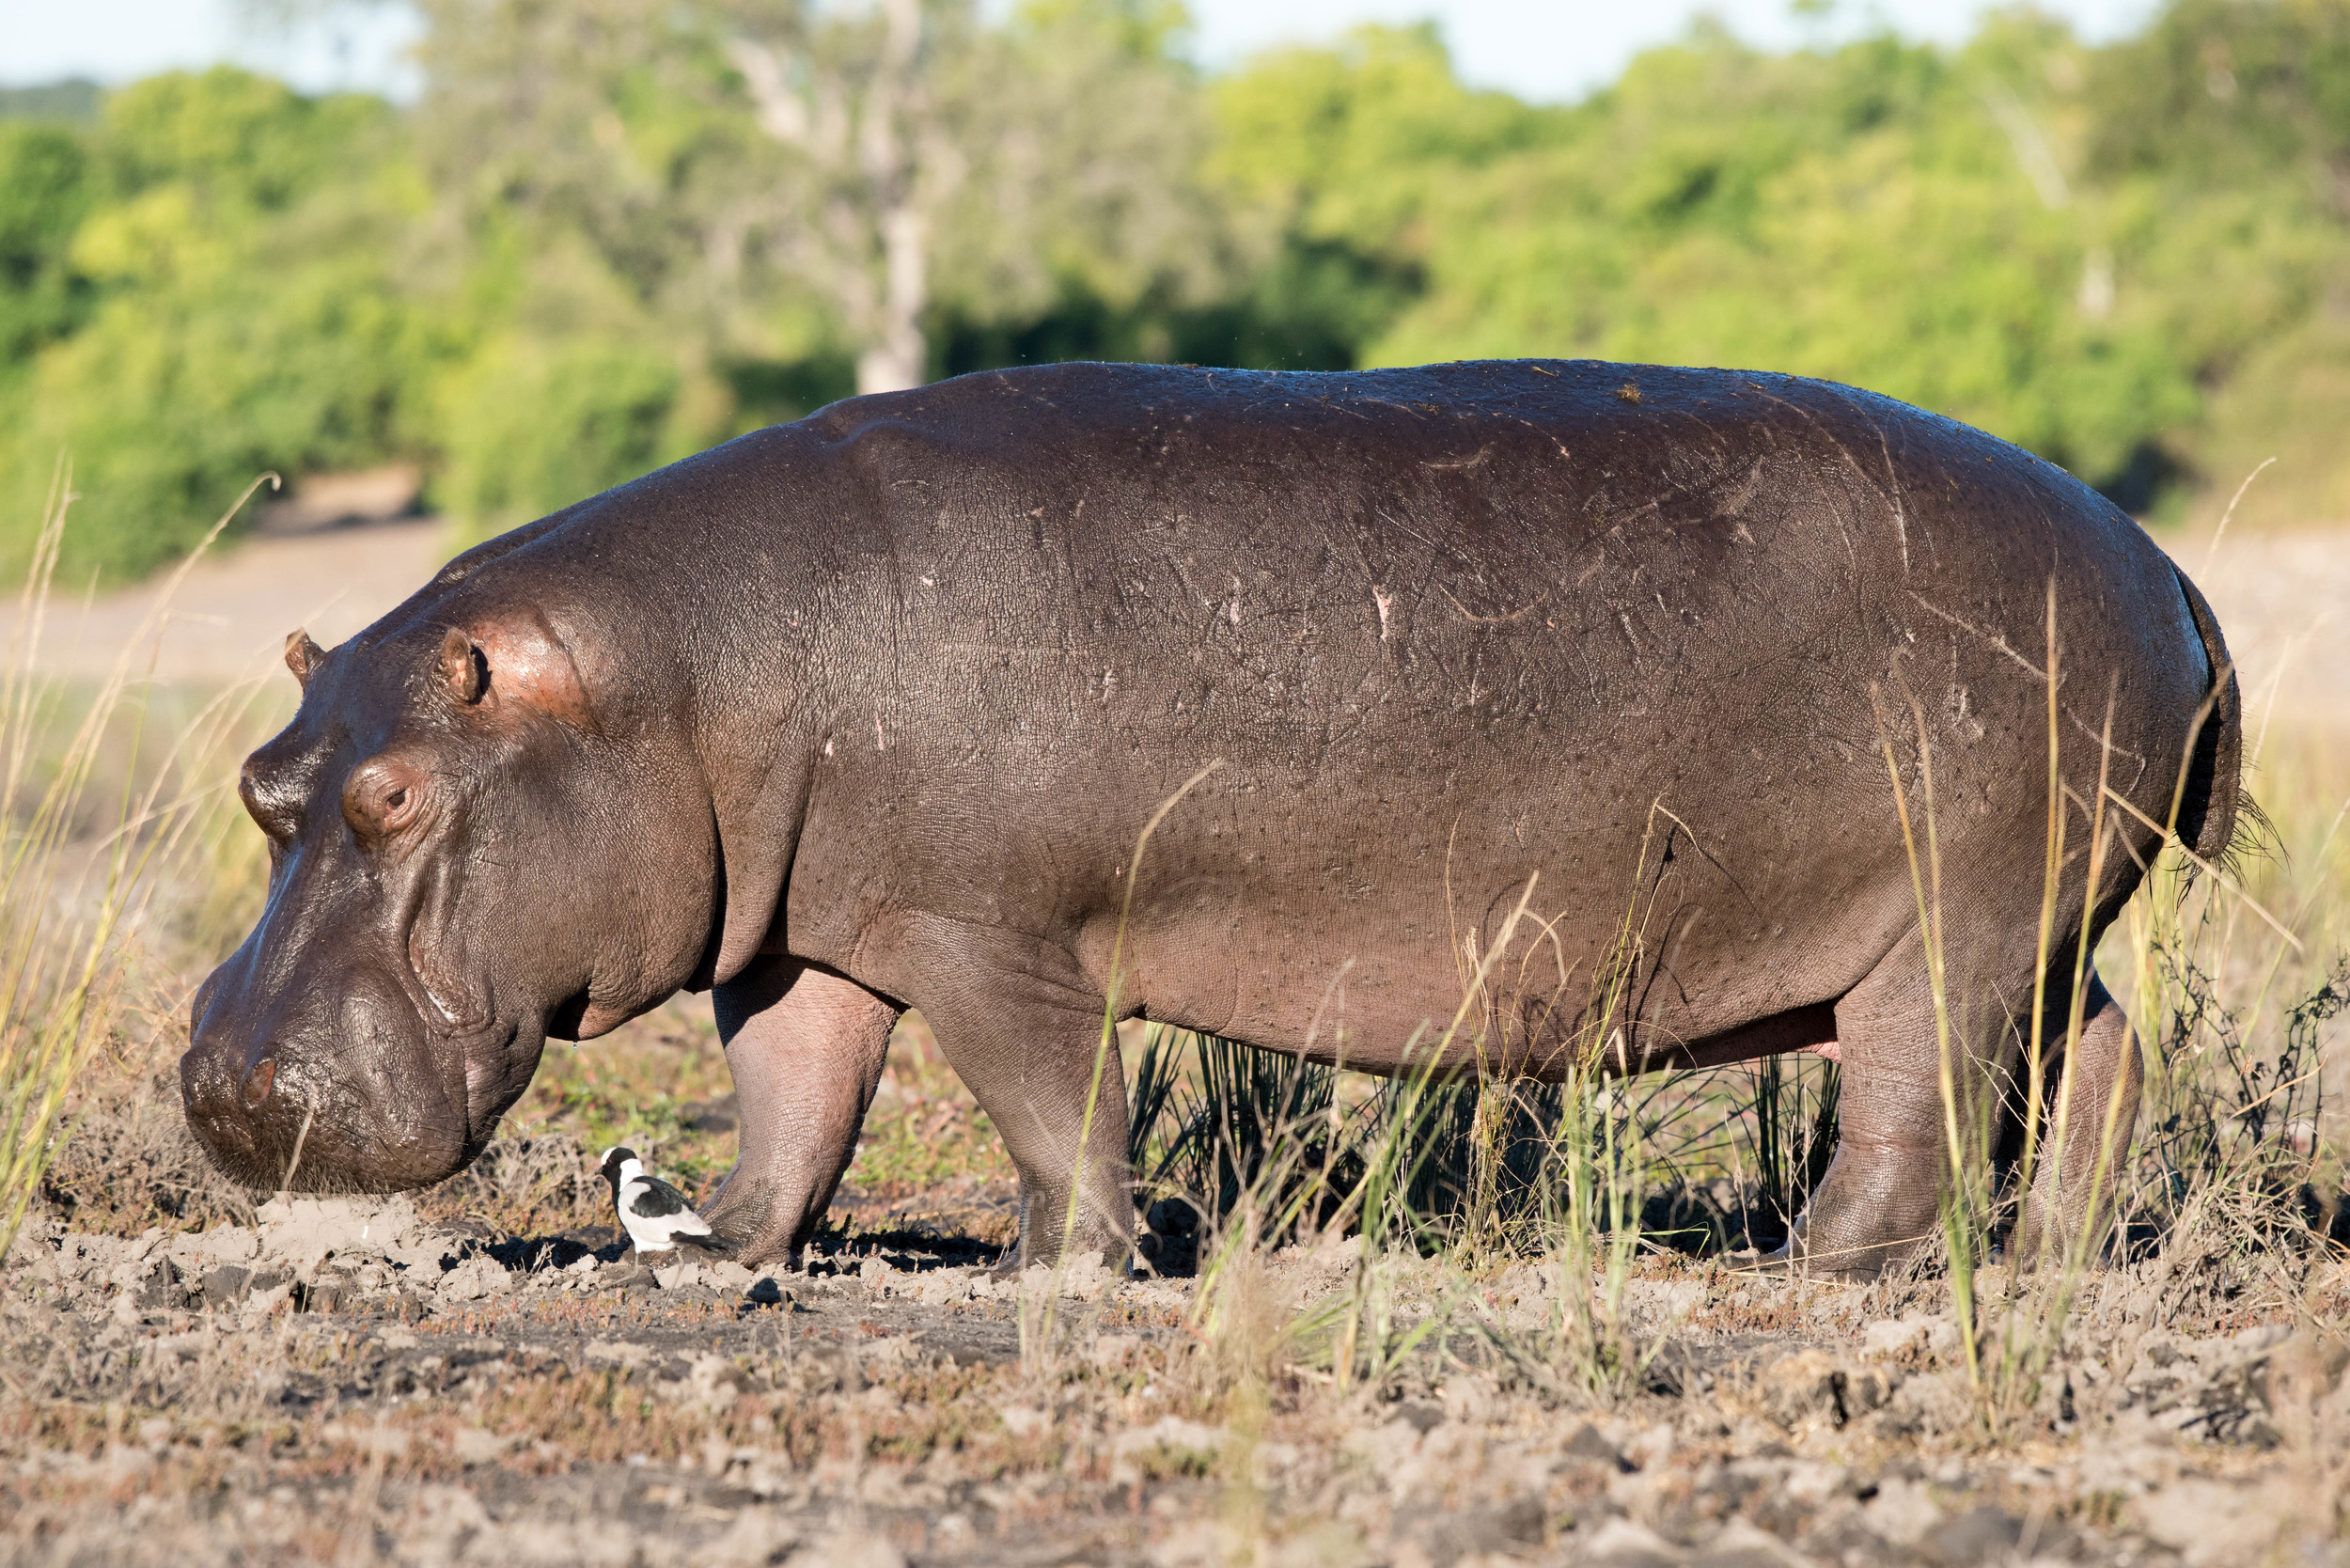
{"x": 1792, "y": 1135}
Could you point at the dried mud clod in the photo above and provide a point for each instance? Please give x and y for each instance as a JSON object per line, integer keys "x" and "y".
{"x": 346, "y": 1381}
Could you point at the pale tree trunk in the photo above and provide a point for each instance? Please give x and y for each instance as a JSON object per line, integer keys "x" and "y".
{"x": 895, "y": 354}
{"x": 901, "y": 355}
{"x": 876, "y": 229}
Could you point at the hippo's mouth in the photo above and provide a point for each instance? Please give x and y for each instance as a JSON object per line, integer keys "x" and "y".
{"x": 315, "y": 1132}
{"x": 460, "y": 1022}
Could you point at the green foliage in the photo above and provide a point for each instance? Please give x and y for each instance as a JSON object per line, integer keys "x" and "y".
{"x": 45, "y": 190}
{"x": 236, "y": 311}
{"x": 1352, "y": 144}
{"x": 537, "y": 426}
{"x": 1858, "y": 216}
{"x": 600, "y": 242}
{"x": 236, "y": 138}
{"x": 74, "y": 101}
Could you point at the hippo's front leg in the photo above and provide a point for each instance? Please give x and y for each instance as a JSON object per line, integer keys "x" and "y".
{"x": 805, "y": 1048}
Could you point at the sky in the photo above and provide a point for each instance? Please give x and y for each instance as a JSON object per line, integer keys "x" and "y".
{"x": 1546, "y": 50}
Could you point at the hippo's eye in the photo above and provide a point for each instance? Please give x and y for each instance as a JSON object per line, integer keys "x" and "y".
{"x": 384, "y": 796}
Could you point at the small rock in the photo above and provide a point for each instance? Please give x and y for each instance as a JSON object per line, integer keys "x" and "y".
{"x": 1588, "y": 1443}
{"x": 226, "y": 1284}
{"x": 850, "y": 1548}
{"x": 942, "y": 1287}
{"x": 1474, "y": 1531}
{"x": 2213, "y": 1521}
{"x": 672, "y": 1271}
{"x": 1901, "y": 1511}
{"x": 1622, "y": 1543}
{"x": 1887, "y": 1336}
{"x": 330, "y": 1291}
{"x": 165, "y": 1287}
{"x": 477, "y": 1277}
{"x": 624, "y": 1276}
{"x": 1985, "y": 1534}
{"x": 1802, "y": 1388}
{"x": 1085, "y": 1278}
{"x": 1742, "y": 1546}
{"x": 1421, "y": 1416}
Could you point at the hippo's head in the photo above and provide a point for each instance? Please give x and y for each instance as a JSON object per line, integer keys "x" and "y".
{"x": 476, "y": 840}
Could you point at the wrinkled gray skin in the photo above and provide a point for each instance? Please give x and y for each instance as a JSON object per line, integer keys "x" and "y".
{"x": 868, "y": 712}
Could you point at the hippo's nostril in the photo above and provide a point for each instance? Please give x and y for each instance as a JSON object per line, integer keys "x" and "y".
{"x": 257, "y": 1082}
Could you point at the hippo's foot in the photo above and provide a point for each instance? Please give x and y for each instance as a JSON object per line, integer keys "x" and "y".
{"x": 770, "y": 1223}
{"x": 1116, "y": 1257}
{"x": 1776, "y": 1263}
{"x": 1044, "y": 1216}
{"x": 1782, "y": 1264}
{"x": 805, "y": 1049}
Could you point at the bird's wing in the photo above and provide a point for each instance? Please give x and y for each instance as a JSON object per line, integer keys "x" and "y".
{"x": 655, "y": 1198}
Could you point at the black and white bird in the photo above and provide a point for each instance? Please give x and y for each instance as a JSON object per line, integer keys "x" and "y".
{"x": 655, "y": 1215}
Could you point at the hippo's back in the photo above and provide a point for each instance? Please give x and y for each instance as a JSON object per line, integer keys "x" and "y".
{"x": 1445, "y": 629}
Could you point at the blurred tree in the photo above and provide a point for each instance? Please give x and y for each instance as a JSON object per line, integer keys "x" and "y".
{"x": 46, "y": 187}
{"x": 233, "y": 304}
{"x": 2222, "y": 132}
{"x": 613, "y": 232}
{"x": 1337, "y": 158}
{"x": 933, "y": 161}
{"x": 866, "y": 100}
{"x": 1884, "y": 214}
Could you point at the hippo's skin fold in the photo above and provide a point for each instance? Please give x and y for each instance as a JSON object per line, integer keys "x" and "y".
{"x": 868, "y": 711}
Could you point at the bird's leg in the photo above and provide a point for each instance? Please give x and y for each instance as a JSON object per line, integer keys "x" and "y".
{"x": 805, "y": 1048}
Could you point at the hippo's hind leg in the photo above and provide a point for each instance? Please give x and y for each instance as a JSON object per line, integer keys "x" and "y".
{"x": 2087, "y": 1118}
{"x": 1882, "y": 1196}
{"x": 1022, "y": 1026}
{"x": 805, "y": 1048}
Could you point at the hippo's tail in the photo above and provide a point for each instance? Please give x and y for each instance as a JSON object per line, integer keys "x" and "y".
{"x": 2212, "y": 807}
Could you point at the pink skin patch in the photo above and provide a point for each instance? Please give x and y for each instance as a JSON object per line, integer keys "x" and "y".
{"x": 1827, "y": 1048}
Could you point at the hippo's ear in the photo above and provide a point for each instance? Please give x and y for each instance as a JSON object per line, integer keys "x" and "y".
{"x": 302, "y": 654}
{"x": 513, "y": 659}
{"x": 464, "y": 675}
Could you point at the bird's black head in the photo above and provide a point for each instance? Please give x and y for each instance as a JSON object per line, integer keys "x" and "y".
{"x": 614, "y": 1158}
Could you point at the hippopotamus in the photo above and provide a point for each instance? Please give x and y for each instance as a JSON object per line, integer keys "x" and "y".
{"x": 1670, "y": 717}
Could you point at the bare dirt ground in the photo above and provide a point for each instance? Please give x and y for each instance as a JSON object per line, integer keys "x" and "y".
{"x": 346, "y": 1382}
{"x": 228, "y": 620}
{"x": 481, "y": 1374}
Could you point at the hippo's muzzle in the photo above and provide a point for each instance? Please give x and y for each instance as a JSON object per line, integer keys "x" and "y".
{"x": 323, "y": 1088}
